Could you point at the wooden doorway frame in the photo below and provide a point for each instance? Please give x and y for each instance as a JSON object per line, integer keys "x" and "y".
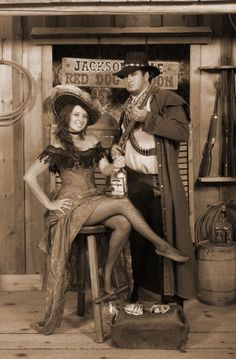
{"x": 194, "y": 109}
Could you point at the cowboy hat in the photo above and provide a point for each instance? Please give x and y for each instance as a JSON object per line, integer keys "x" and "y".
{"x": 63, "y": 95}
{"x": 136, "y": 61}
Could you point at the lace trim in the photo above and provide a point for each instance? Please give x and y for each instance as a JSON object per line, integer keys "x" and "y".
{"x": 60, "y": 159}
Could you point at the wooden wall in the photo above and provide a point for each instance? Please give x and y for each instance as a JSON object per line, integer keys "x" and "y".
{"x": 202, "y": 103}
{"x": 12, "y": 237}
{"x": 21, "y": 219}
{"x": 21, "y": 223}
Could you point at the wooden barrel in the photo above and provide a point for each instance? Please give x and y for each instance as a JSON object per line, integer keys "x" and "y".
{"x": 217, "y": 273}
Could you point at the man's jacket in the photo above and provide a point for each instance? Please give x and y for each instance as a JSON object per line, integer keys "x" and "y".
{"x": 168, "y": 121}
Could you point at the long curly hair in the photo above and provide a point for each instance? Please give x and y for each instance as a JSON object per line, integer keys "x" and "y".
{"x": 62, "y": 133}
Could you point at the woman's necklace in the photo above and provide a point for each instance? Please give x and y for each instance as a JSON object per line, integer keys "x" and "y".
{"x": 74, "y": 133}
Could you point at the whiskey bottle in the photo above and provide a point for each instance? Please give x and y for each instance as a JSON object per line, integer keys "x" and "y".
{"x": 119, "y": 183}
{"x": 223, "y": 228}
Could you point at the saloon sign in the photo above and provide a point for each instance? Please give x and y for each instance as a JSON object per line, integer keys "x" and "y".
{"x": 99, "y": 73}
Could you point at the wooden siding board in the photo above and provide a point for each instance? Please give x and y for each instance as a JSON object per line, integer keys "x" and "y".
{"x": 207, "y": 194}
{"x": 32, "y": 147}
{"x": 227, "y": 48}
{"x": 207, "y": 102}
{"x": 135, "y": 20}
{"x": 101, "y": 20}
{"x": 6, "y": 186}
{"x": 69, "y": 20}
{"x": 124, "y": 40}
{"x": 18, "y": 149}
{"x": 12, "y": 211}
{"x": 7, "y": 232}
{"x": 135, "y": 29}
{"x": 173, "y": 20}
{"x": 47, "y": 81}
{"x": 112, "y": 35}
{"x": 119, "y": 8}
{"x": 195, "y": 80}
{"x": 20, "y": 2}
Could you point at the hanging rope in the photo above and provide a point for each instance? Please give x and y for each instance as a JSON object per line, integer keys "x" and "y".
{"x": 8, "y": 118}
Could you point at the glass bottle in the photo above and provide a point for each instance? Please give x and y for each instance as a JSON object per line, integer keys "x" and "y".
{"x": 223, "y": 228}
{"x": 119, "y": 183}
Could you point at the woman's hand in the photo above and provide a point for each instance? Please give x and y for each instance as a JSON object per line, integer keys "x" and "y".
{"x": 119, "y": 162}
{"x": 60, "y": 205}
{"x": 116, "y": 151}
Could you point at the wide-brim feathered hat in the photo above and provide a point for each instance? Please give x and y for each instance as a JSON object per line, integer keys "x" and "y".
{"x": 136, "y": 61}
{"x": 63, "y": 95}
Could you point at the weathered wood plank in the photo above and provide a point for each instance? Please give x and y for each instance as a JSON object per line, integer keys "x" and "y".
{"x": 135, "y": 20}
{"x": 29, "y": 304}
{"x": 173, "y": 19}
{"x": 33, "y": 144}
{"x": 193, "y": 159}
{"x": 101, "y": 20}
{"x": 85, "y": 342}
{"x": 120, "y": 353}
{"x": 15, "y": 282}
{"x": 212, "y": 332}
{"x": 136, "y": 28}
{"x": 124, "y": 40}
{"x": 11, "y": 164}
{"x": 6, "y": 139}
{"x": 47, "y": 81}
{"x": 206, "y": 194}
{"x": 117, "y": 9}
{"x": 101, "y": 1}
{"x": 17, "y": 263}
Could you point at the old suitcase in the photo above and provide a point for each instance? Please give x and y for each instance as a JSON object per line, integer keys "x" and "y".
{"x": 150, "y": 331}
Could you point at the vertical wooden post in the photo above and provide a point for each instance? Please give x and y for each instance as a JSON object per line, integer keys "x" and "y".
{"x": 207, "y": 194}
{"x": 195, "y": 81}
{"x": 227, "y": 53}
{"x": 12, "y": 246}
{"x": 33, "y": 142}
{"x": 47, "y": 118}
{"x": 81, "y": 275}
{"x": 93, "y": 266}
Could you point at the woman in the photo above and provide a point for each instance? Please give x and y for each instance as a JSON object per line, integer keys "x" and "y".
{"x": 78, "y": 202}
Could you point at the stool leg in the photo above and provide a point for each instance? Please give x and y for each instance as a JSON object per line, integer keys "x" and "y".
{"x": 95, "y": 288}
{"x": 81, "y": 275}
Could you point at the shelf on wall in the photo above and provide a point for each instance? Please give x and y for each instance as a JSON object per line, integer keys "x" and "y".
{"x": 217, "y": 68}
{"x": 216, "y": 179}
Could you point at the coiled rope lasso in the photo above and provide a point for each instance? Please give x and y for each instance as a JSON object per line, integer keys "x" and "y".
{"x": 205, "y": 224}
{"x": 8, "y": 118}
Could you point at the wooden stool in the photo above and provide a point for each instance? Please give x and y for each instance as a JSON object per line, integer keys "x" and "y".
{"x": 91, "y": 232}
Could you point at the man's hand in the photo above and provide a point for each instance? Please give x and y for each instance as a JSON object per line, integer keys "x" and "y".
{"x": 119, "y": 162}
{"x": 116, "y": 151}
{"x": 136, "y": 114}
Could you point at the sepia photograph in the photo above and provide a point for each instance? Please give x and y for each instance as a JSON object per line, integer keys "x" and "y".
{"x": 118, "y": 179}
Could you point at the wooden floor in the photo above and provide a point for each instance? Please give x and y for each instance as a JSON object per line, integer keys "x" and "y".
{"x": 212, "y": 333}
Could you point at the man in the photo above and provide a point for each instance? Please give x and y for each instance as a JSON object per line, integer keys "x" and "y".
{"x": 154, "y": 185}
